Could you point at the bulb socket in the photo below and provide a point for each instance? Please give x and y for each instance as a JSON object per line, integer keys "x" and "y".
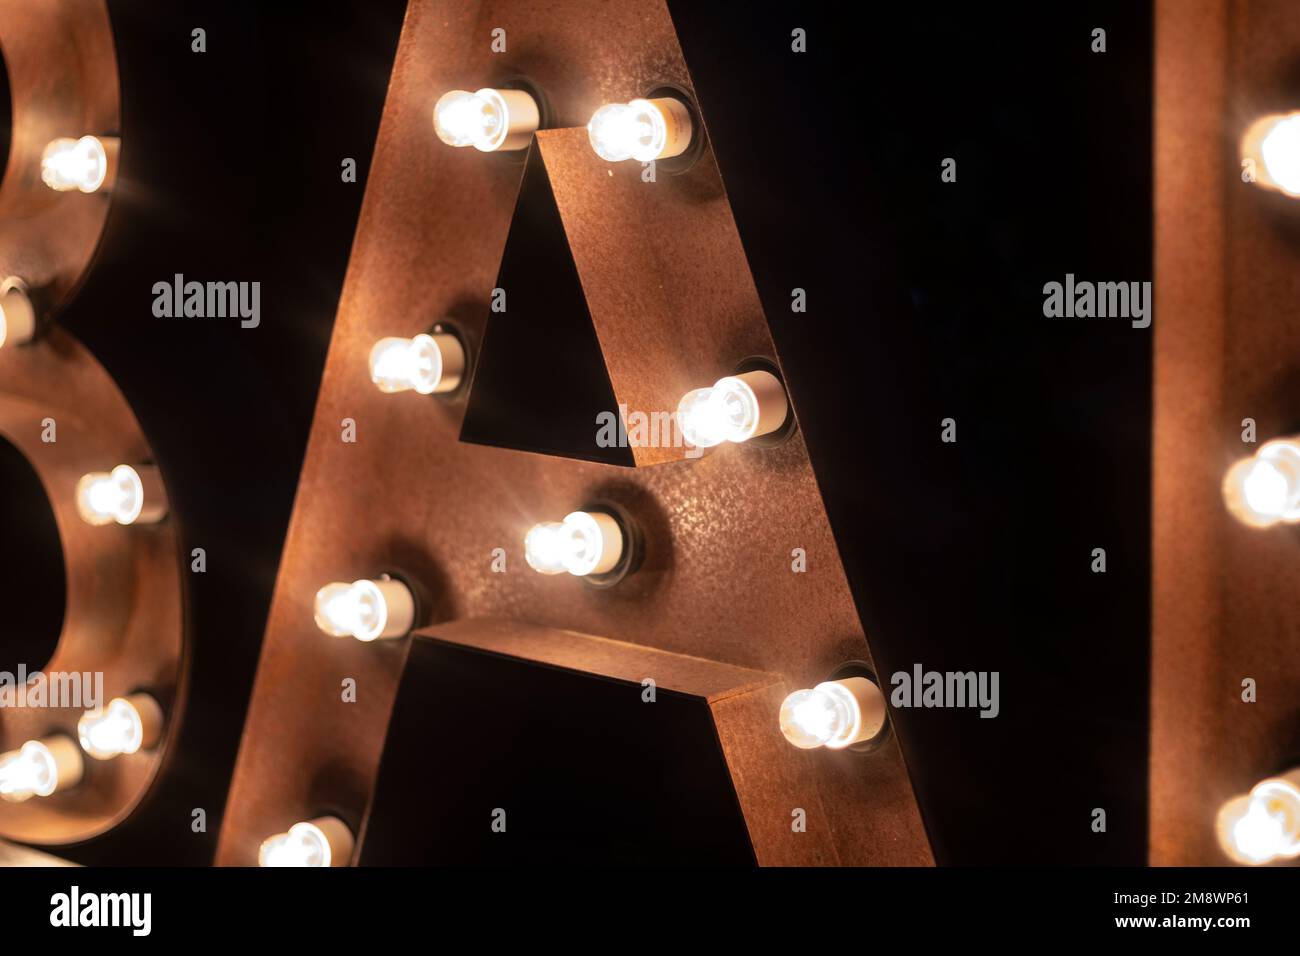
{"x": 633, "y": 544}
{"x": 17, "y": 314}
{"x": 860, "y": 680}
{"x": 777, "y": 423}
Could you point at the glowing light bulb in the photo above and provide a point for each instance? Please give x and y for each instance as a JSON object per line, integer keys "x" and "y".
{"x": 68, "y": 164}
{"x": 17, "y": 316}
{"x": 643, "y": 130}
{"x": 325, "y": 841}
{"x": 543, "y": 548}
{"x": 126, "y": 495}
{"x": 834, "y": 714}
{"x": 1265, "y": 489}
{"x": 1263, "y": 825}
{"x": 39, "y": 768}
{"x": 735, "y": 409}
{"x": 425, "y": 364}
{"x": 585, "y": 543}
{"x": 486, "y": 119}
{"x": 366, "y": 610}
{"x": 1273, "y": 143}
{"x": 125, "y": 726}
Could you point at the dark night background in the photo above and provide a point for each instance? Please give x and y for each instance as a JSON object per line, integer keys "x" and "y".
{"x": 925, "y": 302}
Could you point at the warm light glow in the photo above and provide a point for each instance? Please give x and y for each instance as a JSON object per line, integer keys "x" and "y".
{"x": 543, "y": 548}
{"x": 126, "y": 495}
{"x": 1265, "y": 489}
{"x": 125, "y": 726}
{"x": 587, "y": 542}
{"x": 486, "y": 119}
{"x": 834, "y": 714}
{"x": 366, "y": 610}
{"x": 325, "y": 841}
{"x": 1263, "y": 825}
{"x": 70, "y": 164}
{"x": 643, "y": 130}
{"x": 425, "y": 364}
{"x": 17, "y": 315}
{"x": 39, "y": 768}
{"x": 735, "y": 409}
{"x": 1273, "y": 142}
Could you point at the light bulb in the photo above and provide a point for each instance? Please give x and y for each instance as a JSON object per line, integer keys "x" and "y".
{"x": 543, "y": 548}
{"x": 643, "y": 130}
{"x": 1265, "y": 489}
{"x": 834, "y": 714}
{"x": 1273, "y": 142}
{"x": 68, "y": 164}
{"x": 366, "y": 610}
{"x": 125, "y": 726}
{"x": 325, "y": 841}
{"x": 585, "y": 543}
{"x": 126, "y": 495}
{"x": 735, "y": 409}
{"x": 39, "y": 768}
{"x": 17, "y": 316}
{"x": 425, "y": 364}
{"x": 1263, "y": 825}
{"x": 486, "y": 119}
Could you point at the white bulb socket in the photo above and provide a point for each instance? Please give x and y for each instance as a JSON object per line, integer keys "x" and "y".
{"x": 425, "y": 364}
{"x": 323, "y": 842}
{"x": 17, "y": 314}
{"x": 368, "y": 610}
{"x": 126, "y": 495}
{"x": 642, "y": 129}
{"x": 126, "y": 726}
{"x": 835, "y": 714}
{"x": 1272, "y": 143}
{"x": 586, "y": 543}
{"x": 1263, "y": 826}
{"x": 40, "y": 768}
{"x": 735, "y": 408}
{"x": 83, "y": 164}
{"x": 487, "y": 119}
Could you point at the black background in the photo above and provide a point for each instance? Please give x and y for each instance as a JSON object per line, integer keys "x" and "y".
{"x": 925, "y": 302}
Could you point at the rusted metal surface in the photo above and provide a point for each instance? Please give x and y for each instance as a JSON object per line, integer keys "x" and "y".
{"x": 63, "y": 83}
{"x": 124, "y": 610}
{"x": 765, "y": 770}
{"x": 1227, "y": 267}
{"x": 407, "y": 496}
